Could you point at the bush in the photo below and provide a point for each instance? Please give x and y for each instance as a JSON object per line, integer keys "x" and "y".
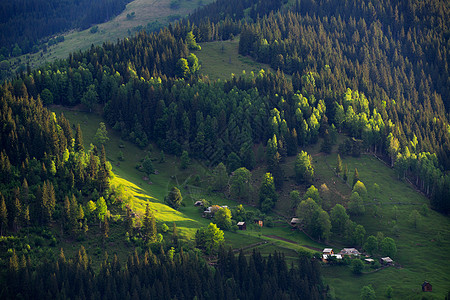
{"x": 94, "y": 29}
{"x": 357, "y": 266}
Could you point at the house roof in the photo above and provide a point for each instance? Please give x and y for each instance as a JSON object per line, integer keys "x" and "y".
{"x": 387, "y": 259}
{"x": 295, "y": 220}
{"x": 369, "y": 260}
{"x": 327, "y": 250}
{"x": 425, "y": 283}
{"x": 240, "y": 223}
{"x": 350, "y": 251}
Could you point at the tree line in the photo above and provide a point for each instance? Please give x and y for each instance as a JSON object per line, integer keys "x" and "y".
{"x": 165, "y": 275}
{"x": 152, "y": 91}
{"x": 25, "y": 24}
{"x": 46, "y": 174}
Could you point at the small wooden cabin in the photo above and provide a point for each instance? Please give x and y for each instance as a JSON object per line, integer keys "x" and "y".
{"x": 295, "y": 221}
{"x": 328, "y": 251}
{"x": 387, "y": 261}
{"x": 242, "y": 226}
{"x": 259, "y": 223}
{"x": 426, "y": 287}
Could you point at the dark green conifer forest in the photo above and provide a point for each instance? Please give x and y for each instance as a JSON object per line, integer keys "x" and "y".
{"x": 376, "y": 71}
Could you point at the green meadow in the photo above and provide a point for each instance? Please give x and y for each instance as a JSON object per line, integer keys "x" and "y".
{"x": 157, "y": 12}
{"x": 421, "y": 251}
{"x": 220, "y": 59}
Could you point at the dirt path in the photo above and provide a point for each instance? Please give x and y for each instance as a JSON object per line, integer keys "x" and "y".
{"x": 292, "y": 242}
{"x": 281, "y": 239}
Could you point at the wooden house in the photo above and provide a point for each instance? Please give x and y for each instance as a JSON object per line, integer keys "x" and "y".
{"x": 328, "y": 251}
{"x": 426, "y": 287}
{"x": 258, "y": 222}
{"x": 295, "y": 221}
{"x": 242, "y": 226}
{"x": 350, "y": 252}
{"x": 387, "y": 261}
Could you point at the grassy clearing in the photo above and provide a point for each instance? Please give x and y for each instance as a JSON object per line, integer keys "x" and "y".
{"x": 421, "y": 251}
{"x": 188, "y": 218}
{"x": 145, "y": 11}
{"x": 221, "y": 59}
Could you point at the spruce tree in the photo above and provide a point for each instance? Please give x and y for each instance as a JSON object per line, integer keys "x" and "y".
{"x": 149, "y": 225}
{"x": 345, "y": 174}
{"x": 175, "y": 234}
{"x": 17, "y": 221}
{"x": 355, "y": 177}
{"x": 339, "y": 165}
{"x": 79, "y": 139}
{"x": 103, "y": 176}
{"x": 3, "y": 215}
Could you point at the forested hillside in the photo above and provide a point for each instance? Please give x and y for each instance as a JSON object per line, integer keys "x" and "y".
{"x": 23, "y": 23}
{"x": 166, "y": 276}
{"x": 370, "y": 75}
{"x": 45, "y": 172}
{"x": 377, "y": 92}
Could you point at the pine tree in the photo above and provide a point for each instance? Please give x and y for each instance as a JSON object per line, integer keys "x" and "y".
{"x": 339, "y": 165}
{"x": 3, "y": 215}
{"x": 149, "y": 225}
{"x": 103, "y": 176}
{"x": 17, "y": 221}
{"x": 345, "y": 174}
{"x": 102, "y": 209}
{"x": 105, "y": 228}
{"x": 355, "y": 177}
{"x": 73, "y": 214}
{"x": 175, "y": 234}
{"x": 174, "y": 198}
{"x": 79, "y": 147}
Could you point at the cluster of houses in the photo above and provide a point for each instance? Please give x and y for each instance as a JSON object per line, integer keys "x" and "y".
{"x": 328, "y": 253}
{"x": 209, "y": 213}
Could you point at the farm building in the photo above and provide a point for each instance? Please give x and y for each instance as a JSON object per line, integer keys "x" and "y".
{"x": 426, "y": 287}
{"x": 327, "y": 251}
{"x": 326, "y": 257}
{"x": 350, "y": 252}
{"x": 387, "y": 260}
{"x": 369, "y": 260}
{"x": 258, "y": 222}
{"x": 242, "y": 226}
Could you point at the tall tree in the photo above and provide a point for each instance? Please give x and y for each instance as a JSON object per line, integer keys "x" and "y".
{"x": 79, "y": 139}
{"x": 174, "y": 198}
{"x": 339, "y": 218}
{"x": 149, "y": 225}
{"x": 355, "y": 177}
{"x": 222, "y": 218}
{"x": 3, "y": 215}
{"x": 267, "y": 194}
{"x": 339, "y": 165}
{"x": 101, "y": 136}
{"x": 240, "y": 184}
{"x": 304, "y": 171}
{"x": 220, "y": 177}
{"x": 102, "y": 209}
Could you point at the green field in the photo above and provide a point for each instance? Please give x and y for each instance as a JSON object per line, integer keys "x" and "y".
{"x": 421, "y": 251}
{"x": 188, "y": 218}
{"x": 221, "y": 59}
{"x": 145, "y": 11}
